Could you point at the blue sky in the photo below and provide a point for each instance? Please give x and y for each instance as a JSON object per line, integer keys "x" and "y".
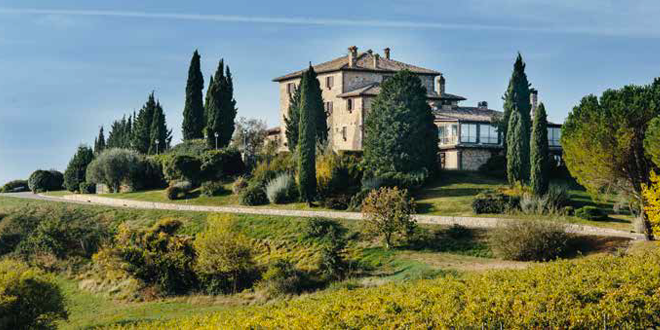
{"x": 68, "y": 67}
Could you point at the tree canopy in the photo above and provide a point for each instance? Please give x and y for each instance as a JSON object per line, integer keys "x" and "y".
{"x": 307, "y": 136}
{"x": 539, "y": 156}
{"x": 221, "y": 108}
{"x": 193, "y": 111}
{"x": 292, "y": 122}
{"x": 77, "y": 167}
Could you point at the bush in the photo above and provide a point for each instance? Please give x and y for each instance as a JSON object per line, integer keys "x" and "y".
{"x": 340, "y": 202}
{"x": 117, "y": 167}
{"x": 180, "y": 167}
{"x": 268, "y": 169}
{"x": 77, "y": 168}
{"x": 494, "y": 167}
{"x": 282, "y": 189}
{"x": 153, "y": 177}
{"x": 494, "y": 203}
{"x": 29, "y": 299}
{"x": 41, "y": 181}
{"x": 178, "y": 190}
{"x": 568, "y": 210}
{"x": 320, "y": 228}
{"x": 395, "y": 179}
{"x": 87, "y": 188}
{"x": 56, "y": 180}
{"x": 192, "y": 148}
{"x": 529, "y": 240}
{"x": 225, "y": 260}
{"x": 282, "y": 278}
{"x": 211, "y": 189}
{"x": 239, "y": 185}
{"x": 356, "y": 201}
{"x": 590, "y": 213}
{"x": 388, "y": 212}
{"x": 219, "y": 164}
{"x": 254, "y": 194}
{"x": 15, "y": 186}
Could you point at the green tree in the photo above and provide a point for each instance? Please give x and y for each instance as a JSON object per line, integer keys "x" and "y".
{"x": 99, "y": 142}
{"x": 388, "y": 213}
{"x": 539, "y": 156}
{"x": 193, "y": 111}
{"x": 321, "y": 116}
{"x": 206, "y": 103}
{"x": 142, "y": 126}
{"x": 517, "y": 96}
{"x": 74, "y": 174}
{"x": 514, "y": 152}
{"x": 307, "y": 137}
{"x": 221, "y": 108}
{"x": 291, "y": 123}
{"x": 603, "y": 142}
{"x": 400, "y": 136}
{"x": 652, "y": 141}
{"x": 121, "y": 134}
{"x": 159, "y": 132}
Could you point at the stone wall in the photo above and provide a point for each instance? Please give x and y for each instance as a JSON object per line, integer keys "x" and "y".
{"x": 471, "y": 159}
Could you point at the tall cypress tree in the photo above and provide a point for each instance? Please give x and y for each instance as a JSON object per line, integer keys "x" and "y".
{"x": 307, "y": 137}
{"x": 213, "y": 105}
{"x": 142, "y": 126}
{"x": 159, "y": 132}
{"x": 321, "y": 116}
{"x": 293, "y": 121}
{"x": 99, "y": 142}
{"x": 514, "y": 153}
{"x": 206, "y": 104}
{"x": 193, "y": 111}
{"x": 539, "y": 152}
{"x": 517, "y": 97}
{"x": 221, "y": 108}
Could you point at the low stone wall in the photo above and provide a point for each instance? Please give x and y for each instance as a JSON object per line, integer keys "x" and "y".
{"x": 471, "y": 159}
{"x": 472, "y": 222}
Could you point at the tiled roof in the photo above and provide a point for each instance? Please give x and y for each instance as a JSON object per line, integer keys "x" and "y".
{"x": 364, "y": 61}
{"x": 374, "y": 89}
{"x": 467, "y": 113}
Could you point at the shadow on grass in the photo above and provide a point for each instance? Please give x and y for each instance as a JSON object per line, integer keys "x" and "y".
{"x": 585, "y": 245}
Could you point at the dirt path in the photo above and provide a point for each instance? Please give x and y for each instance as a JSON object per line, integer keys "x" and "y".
{"x": 472, "y": 222}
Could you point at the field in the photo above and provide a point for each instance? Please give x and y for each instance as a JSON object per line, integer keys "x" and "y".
{"x": 439, "y": 257}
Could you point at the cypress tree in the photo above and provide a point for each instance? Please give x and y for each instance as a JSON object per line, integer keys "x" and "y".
{"x": 142, "y": 126}
{"x": 293, "y": 121}
{"x": 206, "y": 103}
{"x": 307, "y": 138}
{"x": 514, "y": 152}
{"x": 99, "y": 142}
{"x": 517, "y": 97}
{"x": 539, "y": 152}
{"x": 120, "y": 134}
{"x": 213, "y": 107}
{"x": 229, "y": 111}
{"x": 221, "y": 108}
{"x": 159, "y": 132}
{"x": 77, "y": 167}
{"x": 321, "y": 116}
{"x": 193, "y": 111}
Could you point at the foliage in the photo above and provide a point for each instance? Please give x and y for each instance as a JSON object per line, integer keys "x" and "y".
{"x": 178, "y": 190}
{"x": 141, "y": 133}
{"x": 99, "y": 142}
{"x": 603, "y": 141}
{"x": 225, "y": 259}
{"x": 517, "y": 99}
{"x": 116, "y": 167}
{"x": 651, "y": 195}
{"x": 192, "y": 148}
{"x": 336, "y": 173}
{"x": 15, "y": 186}
{"x": 239, "y": 185}
{"x": 179, "y": 167}
{"x": 282, "y": 189}
{"x": 75, "y": 172}
{"x": 400, "y": 134}
{"x": 515, "y": 153}
{"x": 553, "y": 202}
{"x": 152, "y": 176}
{"x": 253, "y": 195}
{"x": 320, "y": 228}
{"x": 193, "y": 110}
{"x": 268, "y": 169}
{"x": 121, "y": 134}
{"x": 292, "y": 122}
{"x": 220, "y": 164}
{"x": 29, "y": 299}
{"x": 87, "y": 188}
{"x": 40, "y": 181}
{"x": 494, "y": 167}
{"x": 494, "y": 203}
{"x": 158, "y": 255}
{"x": 161, "y": 137}
{"x": 590, "y": 213}
{"x": 539, "y": 154}
{"x": 338, "y": 202}
{"x": 250, "y": 138}
{"x": 211, "y": 188}
{"x": 388, "y": 213}
{"x": 652, "y": 141}
{"x": 220, "y": 108}
{"x": 307, "y": 136}
{"x": 529, "y": 240}
{"x": 281, "y": 278}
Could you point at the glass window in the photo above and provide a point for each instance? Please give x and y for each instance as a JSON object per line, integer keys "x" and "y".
{"x": 554, "y": 135}
{"x": 468, "y": 133}
{"x": 349, "y": 104}
{"x": 447, "y": 133}
{"x": 488, "y": 134}
{"x": 329, "y": 81}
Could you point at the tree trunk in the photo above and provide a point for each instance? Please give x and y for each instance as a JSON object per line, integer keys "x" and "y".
{"x": 648, "y": 229}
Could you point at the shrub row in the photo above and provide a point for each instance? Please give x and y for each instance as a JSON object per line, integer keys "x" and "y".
{"x": 41, "y": 181}
{"x": 15, "y": 186}
{"x": 493, "y": 202}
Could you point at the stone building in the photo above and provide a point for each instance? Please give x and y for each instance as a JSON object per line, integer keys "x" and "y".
{"x": 349, "y": 85}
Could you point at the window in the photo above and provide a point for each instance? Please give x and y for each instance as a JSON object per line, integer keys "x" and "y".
{"x": 488, "y": 134}
{"x": 447, "y": 133}
{"x": 328, "y": 107}
{"x": 329, "y": 81}
{"x": 349, "y": 104}
{"x": 290, "y": 88}
{"x": 344, "y": 134}
{"x": 468, "y": 133}
{"x": 554, "y": 135}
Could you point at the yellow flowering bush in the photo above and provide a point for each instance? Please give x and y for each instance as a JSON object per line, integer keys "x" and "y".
{"x": 652, "y": 196}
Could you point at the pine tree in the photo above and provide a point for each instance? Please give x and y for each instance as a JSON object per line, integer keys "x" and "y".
{"x": 307, "y": 137}
{"x": 142, "y": 126}
{"x": 120, "y": 135}
{"x": 99, "y": 142}
{"x": 514, "y": 152}
{"x": 77, "y": 167}
{"x": 517, "y": 97}
{"x": 229, "y": 111}
{"x": 321, "y": 116}
{"x": 221, "y": 108}
{"x": 539, "y": 153}
{"x": 193, "y": 111}
{"x": 159, "y": 132}
{"x": 293, "y": 121}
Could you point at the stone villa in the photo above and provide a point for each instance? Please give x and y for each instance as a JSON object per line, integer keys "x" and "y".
{"x": 350, "y": 83}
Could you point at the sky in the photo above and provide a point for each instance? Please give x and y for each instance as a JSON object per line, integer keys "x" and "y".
{"x": 68, "y": 67}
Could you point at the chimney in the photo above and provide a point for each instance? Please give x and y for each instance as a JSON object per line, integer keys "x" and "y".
{"x": 387, "y": 52}
{"x": 376, "y": 58}
{"x": 352, "y": 56}
{"x": 483, "y": 105}
{"x": 440, "y": 85}
{"x": 533, "y": 100}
